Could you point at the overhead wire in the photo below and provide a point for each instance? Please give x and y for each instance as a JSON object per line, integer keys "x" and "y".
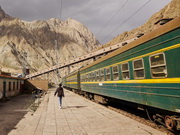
{"x": 126, "y": 20}
{"x": 61, "y": 2}
{"x": 112, "y": 17}
{"x": 56, "y": 44}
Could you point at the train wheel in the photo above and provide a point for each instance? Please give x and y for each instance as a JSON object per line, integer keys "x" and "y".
{"x": 170, "y": 123}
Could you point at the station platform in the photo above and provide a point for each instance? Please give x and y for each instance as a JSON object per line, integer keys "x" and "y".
{"x": 78, "y": 116}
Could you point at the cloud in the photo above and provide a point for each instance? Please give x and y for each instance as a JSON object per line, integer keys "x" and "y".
{"x": 94, "y": 14}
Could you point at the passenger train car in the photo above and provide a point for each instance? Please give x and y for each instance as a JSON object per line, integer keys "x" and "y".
{"x": 145, "y": 72}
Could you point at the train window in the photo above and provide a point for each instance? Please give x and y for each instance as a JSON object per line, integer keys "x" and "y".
{"x": 85, "y": 78}
{"x": 138, "y": 69}
{"x": 97, "y": 75}
{"x": 108, "y": 74}
{"x": 115, "y": 73}
{"x": 89, "y": 77}
{"x": 102, "y": 75}
{"x": 125, "y": 71}
{"x": 158, "y": 66}
{"x": 82, "y": 78}
{"x": 93, "y": 76}
{"x": 71, "y": 79}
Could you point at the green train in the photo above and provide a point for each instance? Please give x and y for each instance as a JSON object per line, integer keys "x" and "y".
{"x": 145, "y": 72}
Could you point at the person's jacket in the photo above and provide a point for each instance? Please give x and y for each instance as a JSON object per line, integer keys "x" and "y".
{"x": 59, "y": 91}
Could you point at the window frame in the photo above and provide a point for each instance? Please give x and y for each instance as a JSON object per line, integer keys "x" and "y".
{"x": 97, "y": 75}
{"x": 83, "y": 78}
{"x": 108, "y": 74}
{"x": 138, "y": 69}
{"x": 150, "y": 63}
{"x": 90, "y": 77}
{"x": 93, "y": 76}
{"x": 87, "y": 77}
{"x": 102, "y": 75}
{"x": 125, "y": 71}
{"x": 113, "y": 73}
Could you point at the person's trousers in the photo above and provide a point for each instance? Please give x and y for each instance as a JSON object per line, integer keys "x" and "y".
{"x": 60, "y": 100}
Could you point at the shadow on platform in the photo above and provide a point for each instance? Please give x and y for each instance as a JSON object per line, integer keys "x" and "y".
{"x": 12, "y": 111}
{"x": 73, "y": 107}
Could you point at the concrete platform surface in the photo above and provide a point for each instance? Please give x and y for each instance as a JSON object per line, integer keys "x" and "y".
{"x": 78, "y": 116}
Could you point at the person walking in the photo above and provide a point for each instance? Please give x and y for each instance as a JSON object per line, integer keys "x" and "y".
{"x": 60, "y": 93}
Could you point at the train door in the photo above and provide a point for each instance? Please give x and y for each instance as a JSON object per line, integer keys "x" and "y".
{"x": 4, "y": 89}
{"x": 78, "y": 81}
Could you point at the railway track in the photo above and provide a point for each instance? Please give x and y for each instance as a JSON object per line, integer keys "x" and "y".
{"x": 142, "y": 118}
{"x": 138, "y": 115}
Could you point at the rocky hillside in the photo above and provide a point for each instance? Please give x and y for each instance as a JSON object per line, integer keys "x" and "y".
{"x": 172, "y": 10}
{"x": 39, "y": 44}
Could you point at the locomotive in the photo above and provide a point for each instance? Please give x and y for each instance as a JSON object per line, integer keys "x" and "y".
{"x": 145, "y": 73}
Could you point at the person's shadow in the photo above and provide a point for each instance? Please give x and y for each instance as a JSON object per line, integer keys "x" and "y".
{"x": 72, "y": 107}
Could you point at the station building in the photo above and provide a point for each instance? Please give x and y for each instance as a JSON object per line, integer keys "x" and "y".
{"x": 10, "y": 86}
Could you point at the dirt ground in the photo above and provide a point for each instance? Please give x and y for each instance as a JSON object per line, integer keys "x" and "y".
{"x": 12, "y": 111}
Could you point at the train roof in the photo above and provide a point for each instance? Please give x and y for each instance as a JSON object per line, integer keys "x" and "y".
{"x": 155, "y": 33}
{"x": 11, "y": 77}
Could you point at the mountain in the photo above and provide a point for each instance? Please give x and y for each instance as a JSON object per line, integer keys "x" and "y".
{"x": 172, "y": 10}
{"x": 41, "y": 44}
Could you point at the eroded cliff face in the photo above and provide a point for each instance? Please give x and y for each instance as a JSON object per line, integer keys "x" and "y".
{"x": 172, "y": 10}
{"x": 41, "y": 44}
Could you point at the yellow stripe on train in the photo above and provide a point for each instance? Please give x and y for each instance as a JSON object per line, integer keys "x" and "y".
{"x": 164, "y": 80}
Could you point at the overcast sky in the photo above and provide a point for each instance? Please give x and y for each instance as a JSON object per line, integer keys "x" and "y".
{"x": 105, "y": 18}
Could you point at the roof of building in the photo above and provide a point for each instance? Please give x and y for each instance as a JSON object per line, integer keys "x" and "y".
{"x": 11, "y": 77}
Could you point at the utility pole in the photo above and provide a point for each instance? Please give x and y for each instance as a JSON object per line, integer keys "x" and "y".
{"x": 24, "y": 64}
{"x": 57, "y": 60}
